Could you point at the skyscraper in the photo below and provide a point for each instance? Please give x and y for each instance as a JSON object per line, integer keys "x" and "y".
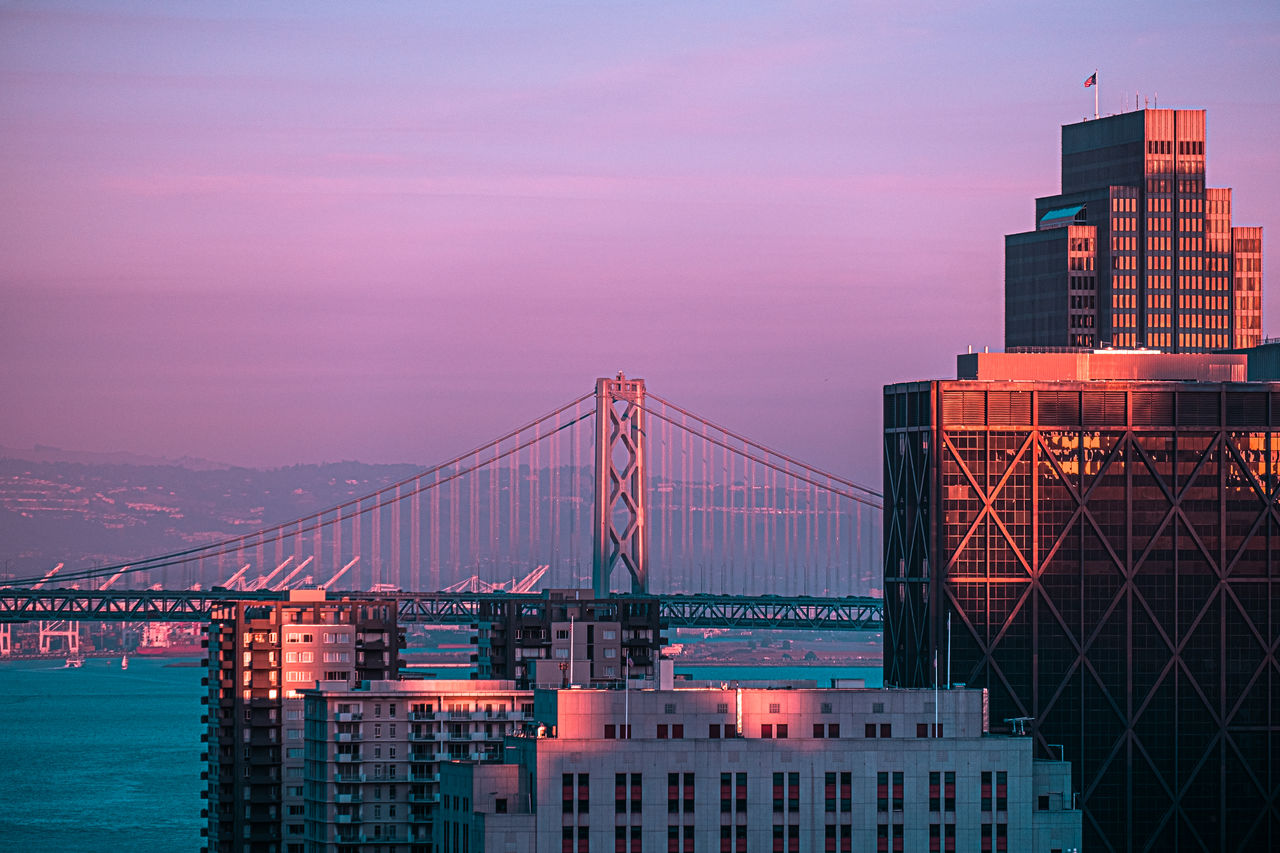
{"x": 1095, "y": 539}
{"x": 1135, "y": 251}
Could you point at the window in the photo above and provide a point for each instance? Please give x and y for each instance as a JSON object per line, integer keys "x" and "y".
{"x": 833, "y": 730}
{"x": 713, "y": 731}
{"x": 766, "y": 730}
{"x": 819, "y": 730}
{"x": 775, "y": 708}
{"x": 782, "y": 730}
{"x": 886, "y": 730}
{"x": 870, "y": 730}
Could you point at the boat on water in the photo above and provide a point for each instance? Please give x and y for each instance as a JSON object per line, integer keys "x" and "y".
{"x": 74, "y": 661}
{"x": 124, "y": 661}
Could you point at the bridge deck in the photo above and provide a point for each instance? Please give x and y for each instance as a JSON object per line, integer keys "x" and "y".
{"x": 439, "y": 608}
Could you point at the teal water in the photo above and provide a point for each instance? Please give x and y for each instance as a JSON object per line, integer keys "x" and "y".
{"x": 98, "y": 758}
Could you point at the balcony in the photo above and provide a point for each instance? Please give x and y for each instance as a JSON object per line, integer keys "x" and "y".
{"x": 349, "y": 778}
{"x": 424, "y": 798}
{"x": 347, "y": 818}
{"x": 419, "y": 737}
{"x": 423, "y": 777}
{"x": 348, "y": 737}
{"x": 348, "y": 717}
{"x": 347, "y": 757}
{"x": 348, "y": 798}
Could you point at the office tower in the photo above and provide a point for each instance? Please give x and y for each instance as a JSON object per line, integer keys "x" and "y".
{"x": 374, "y": 752}
{"x": 1095, "y": 539}
{"x": 569, "y": 637}
{"x": 758, "y": 769}
{"x": 1135, "y": 251}
{"x": 261, "y": 655}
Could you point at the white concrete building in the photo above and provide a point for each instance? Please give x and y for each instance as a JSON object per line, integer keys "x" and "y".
{"x": 760, "y": 770}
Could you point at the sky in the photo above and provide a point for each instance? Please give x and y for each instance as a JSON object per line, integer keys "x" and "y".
{"x": 269, "y": 234}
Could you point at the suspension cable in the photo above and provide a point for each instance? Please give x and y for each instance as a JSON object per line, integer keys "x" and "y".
{"x": 227, "y": 546}
{"x": 862, "y": 499}
{"x": 812, "y": 470}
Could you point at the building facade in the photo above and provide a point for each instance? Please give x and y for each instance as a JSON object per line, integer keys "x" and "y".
{"x": 1135, "y": 251}
{"x": 1104, "y": 557}
{"x": 569, "y": 637}
{"x": 262, "y": 654}
{"x": 374, "y": 753}
{"x": 755, "y": 770}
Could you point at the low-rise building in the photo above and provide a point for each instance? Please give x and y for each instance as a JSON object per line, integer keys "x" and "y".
{"x": 569, "y": 637}
{"x": 756, "y": 769}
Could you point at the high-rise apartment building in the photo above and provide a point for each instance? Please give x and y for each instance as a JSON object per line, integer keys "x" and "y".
{"x": 1135, "y": 251}
{"x": 374, "y": 753}
{"x": 1095, "y": 539}
{"x": 262, "y": 654}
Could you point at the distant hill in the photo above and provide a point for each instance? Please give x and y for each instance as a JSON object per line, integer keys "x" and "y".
{"x": 87, "y": 509}
{"x": 43, "y": 453}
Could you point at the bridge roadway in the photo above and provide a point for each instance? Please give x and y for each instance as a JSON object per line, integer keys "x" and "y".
{"x": 440, "y": 608}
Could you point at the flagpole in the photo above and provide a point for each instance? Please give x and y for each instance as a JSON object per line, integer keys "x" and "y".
{"x": 1095, "y": 94}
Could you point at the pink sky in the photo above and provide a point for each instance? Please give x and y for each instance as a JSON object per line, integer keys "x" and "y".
{"x": 265, "y": 235}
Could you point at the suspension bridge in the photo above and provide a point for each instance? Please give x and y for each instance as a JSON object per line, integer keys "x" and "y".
{"x": 618, "y": 490}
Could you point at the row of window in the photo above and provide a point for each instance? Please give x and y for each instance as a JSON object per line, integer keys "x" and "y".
{"x": 768, "y": 731}
{"x": 837, "y": 792}
{"x": 786, "y": 838}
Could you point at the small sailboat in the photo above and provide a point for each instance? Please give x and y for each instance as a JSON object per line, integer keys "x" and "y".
{"x": 124, "y": 661}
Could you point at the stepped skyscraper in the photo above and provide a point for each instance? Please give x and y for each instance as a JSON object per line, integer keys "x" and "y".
{"x": 1135, "y": 251}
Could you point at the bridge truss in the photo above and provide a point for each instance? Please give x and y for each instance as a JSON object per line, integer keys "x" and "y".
{"x": 439, "y": 608}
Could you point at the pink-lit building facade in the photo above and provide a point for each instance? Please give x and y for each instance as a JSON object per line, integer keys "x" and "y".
{"x": 760, "y": 769}
{"x": 374, "y": 753}
{"x": 1136, "y": 251}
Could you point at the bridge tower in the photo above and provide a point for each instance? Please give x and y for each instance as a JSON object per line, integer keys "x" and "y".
{"x": 620, "y": 511}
